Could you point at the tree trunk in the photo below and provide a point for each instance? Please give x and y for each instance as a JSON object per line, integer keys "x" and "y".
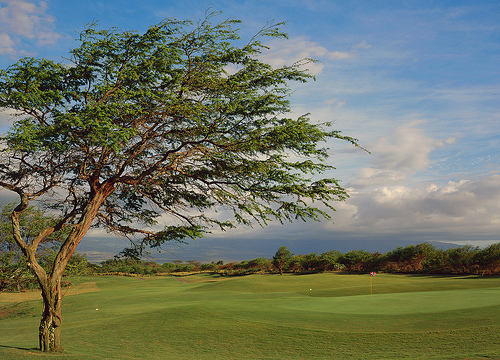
{"x": 49, "y": 332}
{"x": 50, "y": 324}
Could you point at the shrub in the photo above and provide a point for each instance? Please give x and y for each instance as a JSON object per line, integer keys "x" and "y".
{"x": 356, "y": 260}
{"x": 329, "y": 260}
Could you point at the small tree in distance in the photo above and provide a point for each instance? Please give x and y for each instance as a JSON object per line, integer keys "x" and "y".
{"x": 172, "y": 122}
{"x": 13, "y": 271}
{"x": 282, "y": 258}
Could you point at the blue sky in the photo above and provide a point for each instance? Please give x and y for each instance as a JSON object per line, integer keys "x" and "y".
{"x": 417, "y": 82}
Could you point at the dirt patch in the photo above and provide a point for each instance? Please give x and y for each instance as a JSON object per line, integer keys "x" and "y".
{"x": 82, "y": 288}
{"x": 11, "y": 297}
{"x": 16, "y": 297}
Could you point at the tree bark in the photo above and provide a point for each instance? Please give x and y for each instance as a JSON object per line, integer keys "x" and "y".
{"x": 50, "y": 324}
{"x": 49, "y": 331}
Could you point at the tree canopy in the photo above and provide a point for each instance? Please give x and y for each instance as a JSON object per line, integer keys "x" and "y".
{"x": 282, "y": 258}
{"x": 141, "y": 134}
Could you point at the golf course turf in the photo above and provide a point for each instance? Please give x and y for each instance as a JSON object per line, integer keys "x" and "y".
{"x": 315, "y": 316}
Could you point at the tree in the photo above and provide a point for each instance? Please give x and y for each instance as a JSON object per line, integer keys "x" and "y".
{"x": 356, "y": 260}
{"x": 282, "y": 258}
{"x": 462, "y": 259}
{"x": 489, "y": 259}
{"x": 411, "y": 258}
{"x": 174, "y": 121}
{"x": 329, "y": 260}
{"x": 31, "y": 221}
{"x": 14, "y": 274}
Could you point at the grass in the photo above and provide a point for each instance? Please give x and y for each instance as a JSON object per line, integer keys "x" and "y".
{"x": 317, "y": 316}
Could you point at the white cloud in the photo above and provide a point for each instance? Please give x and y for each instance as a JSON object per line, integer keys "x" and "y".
{"x": 362, "y": 45}
{"x": 6, "y": 45}
{"x": 7, "y": 117}
{"x": 452, "y": 211}
{"x": 386, "y": 198}
{"x": 471, "y": 206}
{"x": 292, "y": 50}
{"x": 401, "y": 153}
{"x": 24, "y": 19}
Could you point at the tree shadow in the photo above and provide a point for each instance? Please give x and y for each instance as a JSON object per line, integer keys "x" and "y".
{"x": 18, "y": 348}
{"x": 450, "y": 276}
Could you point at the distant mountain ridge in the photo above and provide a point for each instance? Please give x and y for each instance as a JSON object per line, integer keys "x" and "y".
{"x": 226, "y": 249}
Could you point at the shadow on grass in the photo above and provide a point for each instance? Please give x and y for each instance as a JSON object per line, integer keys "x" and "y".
{"x": 414, "y": 275}
{"x": 455, "y": 276}
{"x": 18, "y": 348}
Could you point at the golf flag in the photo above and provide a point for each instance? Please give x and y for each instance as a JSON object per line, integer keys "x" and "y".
{"x": 373, "y": 273}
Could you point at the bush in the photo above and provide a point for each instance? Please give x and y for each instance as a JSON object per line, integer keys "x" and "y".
{"x": 14, "y": 274}
{"x": 310, "y": 262}
{"x": 356, "y": 260}
{"x": 409, "y": 259}
{"x": 461, "y": 260}
{"x": 168, "y": 267}
{"x": 209, "y": 267}
{"x": 262, "y": 263}
{"x": 488, "y": 260}
{"x": 330, "y": 260}
{"x": 77, "y": 265}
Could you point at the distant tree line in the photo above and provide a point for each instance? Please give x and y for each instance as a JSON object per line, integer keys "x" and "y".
{"x": 414, "y": 259}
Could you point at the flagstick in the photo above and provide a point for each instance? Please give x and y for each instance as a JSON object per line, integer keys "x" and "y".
{"x": 373, "y": 273}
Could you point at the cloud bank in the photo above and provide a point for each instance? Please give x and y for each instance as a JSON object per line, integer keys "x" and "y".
{"x": 397, "y": 156}
{"x": 23, "y": 20}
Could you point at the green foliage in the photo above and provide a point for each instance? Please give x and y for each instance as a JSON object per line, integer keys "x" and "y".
{"x": 260, "y": 263}
{"x": 282, "y": 258}
{"x": 461, "y": 257}
{"x": 32, "y": 221}
{"x": 411, "y": 258}
{"x": 355, "y": 260}
{"x": 489, "y": 258}
{"x": 420, "y": 258}
{"x": 167, "y": 267}
{"x": 208, "y": 267}
{"x": 77, "y": 265}
{"x": 14, "y": 274}
{"x": 309, "y": 262}
{"x": 173, "y": 121}
{"x": 329, "y": 260}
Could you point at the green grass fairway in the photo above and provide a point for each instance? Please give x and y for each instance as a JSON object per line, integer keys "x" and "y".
{"x": 319, "y": 316}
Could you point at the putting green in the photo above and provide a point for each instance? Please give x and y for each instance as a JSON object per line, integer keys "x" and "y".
{"x": 399, "y": 303}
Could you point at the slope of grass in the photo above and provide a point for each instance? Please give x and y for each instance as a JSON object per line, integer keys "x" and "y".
{"x": 320, "y": 316}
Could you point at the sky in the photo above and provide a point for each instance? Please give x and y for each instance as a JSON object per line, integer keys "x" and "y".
{"x": 417, "y": 82}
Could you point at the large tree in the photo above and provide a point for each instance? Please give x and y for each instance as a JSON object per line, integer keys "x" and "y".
{"x": 134, "y": 131}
